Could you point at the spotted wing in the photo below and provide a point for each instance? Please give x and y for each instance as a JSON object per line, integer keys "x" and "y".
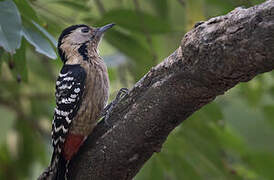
{"x": 69, "y": 91}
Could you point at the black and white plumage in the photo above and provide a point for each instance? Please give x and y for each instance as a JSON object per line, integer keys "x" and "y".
{"x": 69, "y": 90}
{"x": 81, "y": 94}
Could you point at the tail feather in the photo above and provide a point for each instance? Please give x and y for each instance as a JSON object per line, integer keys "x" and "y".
{"x": 57, "y": 169}
{"x": 61, "y": 169}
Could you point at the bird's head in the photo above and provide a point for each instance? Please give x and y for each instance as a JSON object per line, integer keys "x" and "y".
{"x": 76, "y": 41}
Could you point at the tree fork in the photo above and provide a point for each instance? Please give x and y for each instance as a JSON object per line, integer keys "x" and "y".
{"x": 212, "y": 58}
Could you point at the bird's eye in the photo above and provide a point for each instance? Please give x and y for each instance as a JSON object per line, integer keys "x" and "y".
{"x": 85, "y": 30}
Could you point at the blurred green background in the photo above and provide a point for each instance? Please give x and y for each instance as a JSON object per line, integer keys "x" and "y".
{"x": 231, "y": 138}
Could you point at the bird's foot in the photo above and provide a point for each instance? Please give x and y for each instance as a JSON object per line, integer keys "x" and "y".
{"x": 106, "y": 112}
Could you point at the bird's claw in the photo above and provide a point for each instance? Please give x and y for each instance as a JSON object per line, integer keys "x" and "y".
{"x": 120, "y": 95}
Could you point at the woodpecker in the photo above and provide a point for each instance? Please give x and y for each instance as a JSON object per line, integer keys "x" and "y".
{"x": 82, "y": 90}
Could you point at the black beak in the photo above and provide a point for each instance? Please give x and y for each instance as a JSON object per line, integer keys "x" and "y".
{"x": 101, "y": 30}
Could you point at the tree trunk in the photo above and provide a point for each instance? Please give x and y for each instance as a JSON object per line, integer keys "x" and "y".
{"x": 212, "y": 58}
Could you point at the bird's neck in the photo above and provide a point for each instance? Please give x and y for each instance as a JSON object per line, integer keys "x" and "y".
{"x": 80, "y": 57}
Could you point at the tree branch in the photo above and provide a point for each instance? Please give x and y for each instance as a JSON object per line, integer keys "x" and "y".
{"x": 212, "y": 58}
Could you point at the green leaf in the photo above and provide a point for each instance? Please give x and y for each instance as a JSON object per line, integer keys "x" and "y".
{"x": 262, "y": 163}
{"x": 254, "y": 2}
{"x": 39, "y": 42}
{"x": 115, "y": 60}
{"x": 112, "y": 74}
{"x": 253, "y": 91}
{"x": 88, "y": 19}
{"x": 53, "y": 25}
{"x": 161, "y": 7}
{"x": 133, "y": 48}
{"x": 75, "y": 5}
{"x": 194, "y": 11}
{"x": 222, "y": 4}
{"x": 26, "y": 10}
{"x": 45, "y": 32}
{"x": 27, "y": 150}
{"x": 269, "y": 114}
{"x": 1, "y": 60}
{"x": 135, "y": 21}
{"x": 151, "y": 170}
{"x": 213, "y": 111}
{"x": 250, "y": 124}
{"x": 10, "y": 26}
{"x": 29, "y": 15}
{"x": 7, "y": 120}
{"x": 20, "y": 66}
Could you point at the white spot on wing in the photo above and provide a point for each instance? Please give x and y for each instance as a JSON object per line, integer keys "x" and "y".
{"x": 63, "y": 75}
{"x": 64, "y": 101}
{"x": 71, "y": 100}
{"x": 62, "y": 139}
{"x": 60, "y": 112}
{"x": 77, "y": 90}
{"x": 73, "y": 96}
{"x": 68, "y": 78}
{"x": 64, "y": 86}
{"x": 67, "y": 101}
{"x": 68, "y": 120}
{"x": 59, "y": 149}
{"x": 59, "y": 128}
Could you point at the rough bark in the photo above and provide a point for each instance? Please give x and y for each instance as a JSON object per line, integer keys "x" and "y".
{"x": 212, "y": 58}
